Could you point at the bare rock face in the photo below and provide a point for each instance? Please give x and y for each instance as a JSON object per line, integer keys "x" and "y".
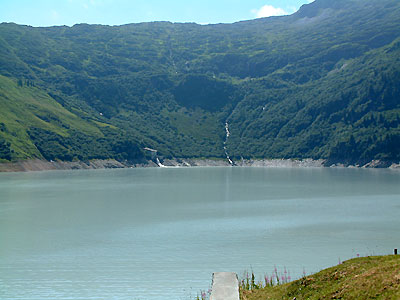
{"x": 282, "y": 163}
{"x": 377, "y": 164}
{"x": 42, "y": 165}
{"x": 395, "y": 166}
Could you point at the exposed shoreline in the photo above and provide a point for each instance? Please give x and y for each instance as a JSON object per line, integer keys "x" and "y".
{"x": 43, "y": 165}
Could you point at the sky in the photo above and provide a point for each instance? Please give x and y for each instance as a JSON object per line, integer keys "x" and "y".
{"x": 118, "y": 12}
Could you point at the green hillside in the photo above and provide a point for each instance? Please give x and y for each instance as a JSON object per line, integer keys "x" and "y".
{"x": 33, "y": 125}
{"x": 375, "y": 277}
{"x": 351, "y": 115}
{"x": 24, "y": 107}
{"x": 321, "y": 83}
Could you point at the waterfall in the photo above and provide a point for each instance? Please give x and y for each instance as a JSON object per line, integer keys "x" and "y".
{"x": 159, "y": 163}
{"x": 226, "y": 140}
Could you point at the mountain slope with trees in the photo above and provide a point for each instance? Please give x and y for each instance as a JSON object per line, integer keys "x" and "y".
{"x": 321, "y": 83}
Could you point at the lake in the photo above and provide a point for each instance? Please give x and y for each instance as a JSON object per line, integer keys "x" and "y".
{"x": 160, "y": 233}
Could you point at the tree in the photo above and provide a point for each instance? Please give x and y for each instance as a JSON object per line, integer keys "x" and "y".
{"x": 5, "y": 150}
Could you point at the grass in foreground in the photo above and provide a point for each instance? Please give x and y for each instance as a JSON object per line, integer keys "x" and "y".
{"x": 374, "y": 277}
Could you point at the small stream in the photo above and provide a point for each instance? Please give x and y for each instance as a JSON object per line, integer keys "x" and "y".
{"x": 225, "y": 143}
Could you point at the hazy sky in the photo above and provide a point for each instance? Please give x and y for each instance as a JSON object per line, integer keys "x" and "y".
{"x": 117, "y": 12}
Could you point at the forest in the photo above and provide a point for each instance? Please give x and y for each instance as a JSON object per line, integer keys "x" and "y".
{"x": 322, "y": 83}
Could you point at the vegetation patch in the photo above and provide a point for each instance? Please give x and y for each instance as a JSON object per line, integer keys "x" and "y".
{"x": 322, "y": 83}
{"x": 374, "y": 277}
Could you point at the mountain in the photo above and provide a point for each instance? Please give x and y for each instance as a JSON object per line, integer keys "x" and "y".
{"x": 323, "y": 82}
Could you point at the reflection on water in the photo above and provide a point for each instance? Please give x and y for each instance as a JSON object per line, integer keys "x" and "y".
{"x": 160, "y": 233}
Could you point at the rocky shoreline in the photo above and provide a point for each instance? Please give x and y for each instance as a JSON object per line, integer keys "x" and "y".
{"x": 43, "y": 165}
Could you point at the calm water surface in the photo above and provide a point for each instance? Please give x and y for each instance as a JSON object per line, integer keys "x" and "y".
{"x": 160, "y": 233}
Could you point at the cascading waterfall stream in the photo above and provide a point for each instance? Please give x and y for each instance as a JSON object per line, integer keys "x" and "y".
{"x": 159, "y": 163}
{"x": 225, "y": 142}
{"x": 155, "y": 157}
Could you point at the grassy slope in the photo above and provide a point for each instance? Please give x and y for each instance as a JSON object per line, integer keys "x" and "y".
{"x": 360, "y": 278}
{"x": 23, "y": 107}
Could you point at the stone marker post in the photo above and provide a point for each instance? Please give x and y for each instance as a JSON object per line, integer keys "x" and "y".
{"x": 225, "y": 286}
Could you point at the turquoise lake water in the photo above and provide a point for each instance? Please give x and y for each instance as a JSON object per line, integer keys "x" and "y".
{"x": 160, "y": 233}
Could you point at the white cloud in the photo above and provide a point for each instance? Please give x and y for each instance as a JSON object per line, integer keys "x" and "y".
{"x": 268, "y": 11}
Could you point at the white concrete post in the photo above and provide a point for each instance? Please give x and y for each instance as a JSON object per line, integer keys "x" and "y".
{"x": 225, "y": 286}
